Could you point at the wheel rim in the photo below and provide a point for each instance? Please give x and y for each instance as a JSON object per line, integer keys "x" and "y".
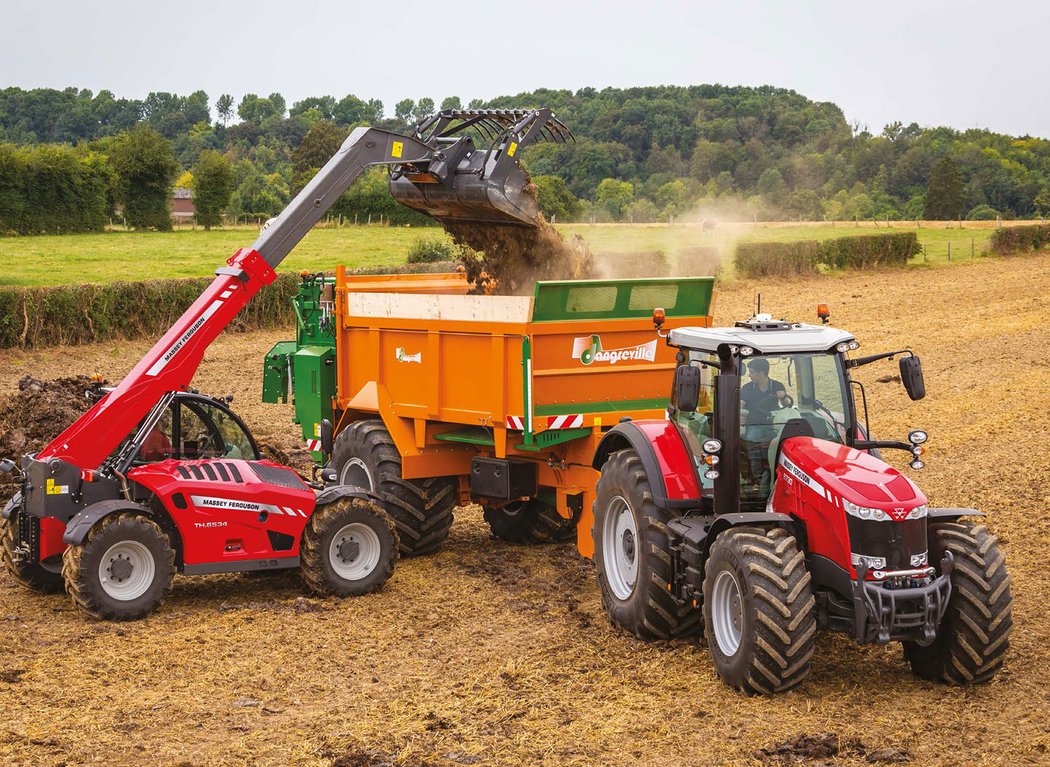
{"x": 354, "y": 551}
{"x": 727, "y": 612}
{"x": 357, "y": 474}
{"x": 620, "y": 548}
{"x": 127, "y": 570}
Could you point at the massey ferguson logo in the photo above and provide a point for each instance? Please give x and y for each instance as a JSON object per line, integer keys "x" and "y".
{"x": 588, "y": 349}
{"x": 897, "y": 514}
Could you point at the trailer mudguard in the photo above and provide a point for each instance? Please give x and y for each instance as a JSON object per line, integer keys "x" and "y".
{"x": 77, "y": 528}
{"x": 666, "y": 457}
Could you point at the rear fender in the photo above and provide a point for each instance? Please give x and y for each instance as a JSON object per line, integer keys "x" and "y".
{"x": 77, "y": 528}
{"x": 666, "y": 457}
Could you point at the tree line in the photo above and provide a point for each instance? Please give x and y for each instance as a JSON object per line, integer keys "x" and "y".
{"x": 640, "y": 154}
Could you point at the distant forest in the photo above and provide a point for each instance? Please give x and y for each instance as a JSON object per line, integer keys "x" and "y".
{"x": 641, "y": 154}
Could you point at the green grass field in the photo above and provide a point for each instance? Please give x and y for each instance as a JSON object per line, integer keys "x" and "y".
{"x": 119, "y": 255}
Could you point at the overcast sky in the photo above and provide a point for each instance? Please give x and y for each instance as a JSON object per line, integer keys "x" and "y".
{"x": 962, "y": 64}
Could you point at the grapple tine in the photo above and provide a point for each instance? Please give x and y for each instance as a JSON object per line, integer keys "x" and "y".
{"x": 463, "y": 183}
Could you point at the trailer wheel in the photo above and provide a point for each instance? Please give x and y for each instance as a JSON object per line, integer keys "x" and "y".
{"x": 421, "y": 509}
{"x": 529, "y": 522}
{"x": 974, "y": 634}
{"x": 632, "y": 554}
{"x": 759, "y": 610}
{"x": 42, "y": 577}
{"x": 122, "y": 571}
{"x": 349, "y": 548}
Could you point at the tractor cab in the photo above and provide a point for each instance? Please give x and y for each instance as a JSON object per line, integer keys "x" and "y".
{"x": 781, "y": 379}
{"x": 776, "y": 380}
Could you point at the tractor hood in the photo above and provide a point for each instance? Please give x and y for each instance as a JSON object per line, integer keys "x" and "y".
{"x": 839, "y": 472}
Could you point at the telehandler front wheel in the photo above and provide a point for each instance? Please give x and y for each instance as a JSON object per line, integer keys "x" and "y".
{"x": 365, "y": 456}
{"x": 42, "y": 577}
{"x": 632, "y": 554}
{"x": 123, "y": 569}
{"x": 349, "y": 548}
{"x": 974, "y": 633}
{"x": 759, "y": 610}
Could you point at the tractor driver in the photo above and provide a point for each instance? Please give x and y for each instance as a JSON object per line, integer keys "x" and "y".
{"x": 759, "y": 397}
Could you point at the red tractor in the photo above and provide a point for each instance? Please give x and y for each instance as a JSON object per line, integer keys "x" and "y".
{"x": 155, "y": 479}
{"x": 764, "y": 512}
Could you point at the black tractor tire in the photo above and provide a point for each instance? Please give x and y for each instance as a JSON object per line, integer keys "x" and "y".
{"x": 364, "y": 453}
{"x": 757, "y": 588}
{"x": 349, "y": 548}
{"x": 135, "y": 539}
{"x": 529, "y": 522}
{"x": 41, "y": 577}
{"x": 974, "y": 634}
{"x": 630, "y": 534}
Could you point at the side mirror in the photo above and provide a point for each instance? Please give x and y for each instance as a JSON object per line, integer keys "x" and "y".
{"x": 687, "y": 388}
{"x": 326, "y": 437}
{"x": 911, "y": 377}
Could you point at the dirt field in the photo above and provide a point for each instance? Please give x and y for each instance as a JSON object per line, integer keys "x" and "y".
{"x": 489, "y": 653}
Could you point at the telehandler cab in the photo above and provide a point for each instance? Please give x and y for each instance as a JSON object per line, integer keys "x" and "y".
{"x": 152, "y": 480}
{"x": 763, "y": 511}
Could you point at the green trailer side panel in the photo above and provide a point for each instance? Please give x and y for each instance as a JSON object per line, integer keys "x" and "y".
{"x": 277, "y": 372}
{"x": 622, "y": 299}
{"x": 313, "y": 369}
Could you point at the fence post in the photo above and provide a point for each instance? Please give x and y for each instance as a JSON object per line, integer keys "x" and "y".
{"x": 973, "y": 249}
{"x": 949, "y": 250}
{"x": 924, "y": 256}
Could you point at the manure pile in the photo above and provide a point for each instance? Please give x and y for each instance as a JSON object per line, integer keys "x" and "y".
{"x": 36, "y": 414}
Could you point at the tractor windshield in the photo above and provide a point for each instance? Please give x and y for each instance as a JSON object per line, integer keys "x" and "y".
{"x": 780, "y": 396}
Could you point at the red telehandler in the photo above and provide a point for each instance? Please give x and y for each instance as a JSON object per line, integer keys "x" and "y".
{"x": 156, "y": 478}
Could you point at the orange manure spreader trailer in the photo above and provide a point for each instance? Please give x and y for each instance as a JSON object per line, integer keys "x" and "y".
{"x": 432, "y": 398}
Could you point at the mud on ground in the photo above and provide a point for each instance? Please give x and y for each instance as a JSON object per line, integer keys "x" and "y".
{"x": 494, "y": 654}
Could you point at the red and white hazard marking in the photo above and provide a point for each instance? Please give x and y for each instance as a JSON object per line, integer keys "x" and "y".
{"x": 313, "y": 444}
{"x": 564, "y": 421}
{"x": 516, "y": 422}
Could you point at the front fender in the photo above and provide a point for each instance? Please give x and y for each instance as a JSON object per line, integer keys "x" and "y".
{"x": 11, "y": 505}
{"x": 668, "y": 462}
{"x": 77, "y": 528}
{"x": 953, "y": 513}
{"x": 335, "y": 492}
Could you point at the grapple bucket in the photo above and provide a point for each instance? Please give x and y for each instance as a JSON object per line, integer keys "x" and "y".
{"x": 463, "y": 181}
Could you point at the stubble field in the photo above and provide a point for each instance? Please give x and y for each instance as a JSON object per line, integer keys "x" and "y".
{"x": 494, "y": 654}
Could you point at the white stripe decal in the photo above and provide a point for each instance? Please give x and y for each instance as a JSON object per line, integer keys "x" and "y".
{"x": 232, "y": 504}
{"x": 807, "y": 480}
{"x": 160, "y": 364}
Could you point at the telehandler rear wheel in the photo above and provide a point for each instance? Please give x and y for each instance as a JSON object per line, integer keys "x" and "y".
{"x": 632, "y": 554}
{"x": 759, "y": 610}
{"x": 349, "y": 548}
{"x": 529, "y": 522}
{"x": 975, "y": 631}
{"x": 123, "y": 569}
{"x": 42, "y": 577}
{"x": 364, "y": 455}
